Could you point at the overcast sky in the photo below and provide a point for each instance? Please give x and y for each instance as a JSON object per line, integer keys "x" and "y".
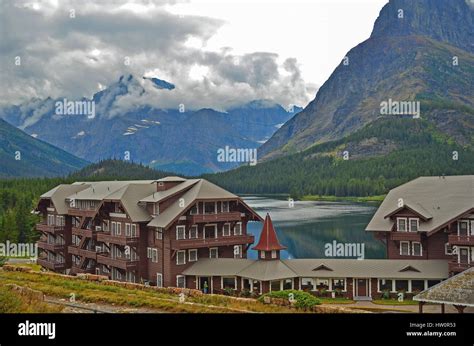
{"x": 217, "y": 53}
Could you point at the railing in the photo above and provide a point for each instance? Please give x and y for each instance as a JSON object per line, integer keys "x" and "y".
{"x": 74, "y": 250}
{"x": 83, "y": 232}
{"x": 116, "y": 239}
{"x": 219, "y": 217}
{"x": 122, "y": 263}
{"x": 77, "y": 270}
{"x": 458, "y": 267}
{"x": 413, "y": 236}
{"x": 455, "y": 239}
{"x": 82, "y": 212}
{"x": 51, "y": 247}
{"x": 49, "y": 228}
{"x": 209, "y": 242}
{"x": 50, "y": 265}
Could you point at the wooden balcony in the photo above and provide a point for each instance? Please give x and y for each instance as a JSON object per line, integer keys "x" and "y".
{"x": 121, "y": 263}
{"x": 51, "y": 265}
{"x": 88, "y": 233}
{"x": 77, "y": 270}
{"x": 455, "y": 239}
{"x": 211, "y": 242}
{"x": 219, "y": 217}
{"x": 459, "y": 267}
{"x": 408, "y": 236}
{"x": 74, "y": 250}
{"x": 51, "y": 247}
{"x": 53, "y": 229}
{"x": 116, "y": 239}
{"x": 82, "y": 212}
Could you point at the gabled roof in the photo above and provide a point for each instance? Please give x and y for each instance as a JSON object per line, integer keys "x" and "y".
{"x": 59, "y": 193}
{"x": 341, "y": 268}
{"x": 457, "y": 290}
{"x": 129, "y": 195}
{"x": 438, "y": 200}
{"x": 199, "y": 190}
{"x": 100, "y": 190}
{"x": 162, "y": 195}
{"x": 268, "y": 238}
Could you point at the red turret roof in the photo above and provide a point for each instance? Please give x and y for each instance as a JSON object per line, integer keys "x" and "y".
{"x": 268, "y": 238}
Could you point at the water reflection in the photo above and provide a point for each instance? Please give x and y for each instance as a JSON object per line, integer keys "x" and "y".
{"x": 307, "y": 226}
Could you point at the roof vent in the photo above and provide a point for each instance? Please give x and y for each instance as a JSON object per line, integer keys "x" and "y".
{"x": 409, "y": 269}
{"x": 322, "y": 267}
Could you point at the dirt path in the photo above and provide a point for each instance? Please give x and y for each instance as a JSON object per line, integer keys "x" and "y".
{"x": 429, "y": 308}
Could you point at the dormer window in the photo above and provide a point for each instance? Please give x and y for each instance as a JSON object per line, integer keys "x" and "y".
{"x": 225, "y": 207}
{"x": 414, "y": 223}
{"x": 401, "y": 224}
{"x": 194, "y": 210}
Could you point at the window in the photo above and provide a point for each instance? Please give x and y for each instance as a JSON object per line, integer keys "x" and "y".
{"x": 213, "y": 252}
{"x": 159, "y": 234}
{"x": 238, "y": 228}
{"x": 159, "y": 280}
{"x": 210, "y": 207}
{"x": 193, "y": 232}
{"x": 288, "y": 284}
{"x": 181, "y": 281}
{"x": 50, "y": 219}
{"x": 225, "y": 207}
{"x": 262, "y": 254}
{"x": 401, "y": 224}
{"x": 401, "y": 285}
{"x": 275, "y": 285}
{"x": 180, "y": 232}
{"x": 128, "y": 230}
{"x": 405, "y": 248}
{"x": 154, "y": 255}
{"x": 385, "y": 285}
{"x": 307, "y": 284}
{"x": 134, "y": 230}
{"x": 148, "y": 252}
{"x": 462, "y": 227}
{"x": 226, "y": 230}
{"x": 448, "y": 250}
{"x": 193, "y": 210}
{"x": 339, "y": 284}
{"x": 181, "y": 257}
{"x": 417, "y": 249}
{"x": 105, "y": 226}
{"x": 417, "y": 285}
{"x": 193, "y": 255}
{"x": 274, "y": 254}
{"x": 322, "y": 284}
{"x": 228, "y": 282}
{"x": 118, "y": 229}
{"x": 414, "y": 225}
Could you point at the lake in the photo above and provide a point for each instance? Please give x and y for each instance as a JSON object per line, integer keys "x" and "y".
{"x": 307, "y": 226}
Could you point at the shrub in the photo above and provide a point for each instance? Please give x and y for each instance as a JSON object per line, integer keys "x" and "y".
{"x": 303, "y": 300}
{"x": 245, "y": 294}
{"x": 3, "y": 261}
{"x": 229, "y": 291}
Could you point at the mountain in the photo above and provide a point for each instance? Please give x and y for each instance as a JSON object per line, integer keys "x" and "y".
{"x": 166, "y": 139}
{"x": 24, "y": 156}
{"x": 419, "y": 51}
{"x": 371, "y": 161}
{"x": 112, "y": 169}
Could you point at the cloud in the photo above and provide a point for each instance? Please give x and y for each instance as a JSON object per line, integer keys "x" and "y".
{"x": 65, "y": 55}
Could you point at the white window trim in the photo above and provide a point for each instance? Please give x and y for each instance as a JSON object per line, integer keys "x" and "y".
{"x": 262, "y": 254}
{"x": 184, "y": 232}
{"x": 274, "y": 254}
{"x": 398, "y": 224}
{"x": 197, "y": 232}
{"x": 409, "y": 247}
{"x": 204, "y": 231}
{"x": 217, "y": 252}
{"x": 331, "y": 283}
{"x": 413, "y": 248}
{"x": 230, "y": 231}
{"x": 229, "y": 277}
{"x": 459, "y": 226}
{"x": 177, "y": 280}
{"x": 128, "y": 230}
{"x": 177, "y": 257}
{"x": 159, "y": 234}
{"x": 159, "y": 275}
{"x": 189, "y": 255}
{"x": 225, "y": 210}
{"x": 241, "y": 230}
{"x": 417, "y": 223}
